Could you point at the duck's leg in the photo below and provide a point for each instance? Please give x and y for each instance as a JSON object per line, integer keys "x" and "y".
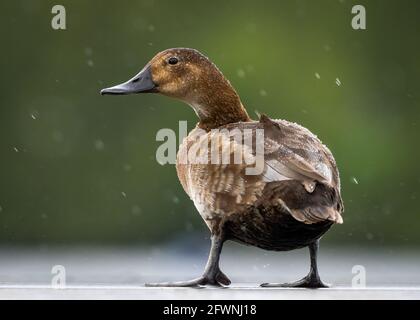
{"x": 212, "y": 274}
{"x": 312, "y": 280}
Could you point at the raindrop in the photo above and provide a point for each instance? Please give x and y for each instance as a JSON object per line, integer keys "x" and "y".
{"x": 263, "y": 93}
{"x": 317, "y": 75}
{"x": 89, "y": 63}
{"x": 88, "y": 51}
{"x": 136, "y": 210}
{"x": 151, "y": 28}
{"x": 354, "y": 180}
{"x": 337, "y": 82}
{"x": 123, "y": 194}
{"x": 99, "y": 145}
{"x": 241, "y": 73}
{"x": 16, "y": 149}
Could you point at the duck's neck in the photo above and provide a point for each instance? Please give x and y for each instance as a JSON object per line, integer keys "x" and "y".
{"x": 220, "y": 105}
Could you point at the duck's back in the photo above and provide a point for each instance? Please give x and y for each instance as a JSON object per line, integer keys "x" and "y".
{"x": 298, "y": 179}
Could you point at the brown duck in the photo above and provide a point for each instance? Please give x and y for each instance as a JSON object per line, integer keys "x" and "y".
{"x": 288, "y": 204}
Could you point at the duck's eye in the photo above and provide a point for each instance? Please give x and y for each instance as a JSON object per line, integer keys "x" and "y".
{"x": 173, "y": 60}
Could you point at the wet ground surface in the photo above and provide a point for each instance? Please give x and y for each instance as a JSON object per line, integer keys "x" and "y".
{"x": 120, "y": 273}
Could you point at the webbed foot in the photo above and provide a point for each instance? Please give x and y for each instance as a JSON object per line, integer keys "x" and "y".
{"x": 206, "y": 280}
{"x": 309, "y": 281}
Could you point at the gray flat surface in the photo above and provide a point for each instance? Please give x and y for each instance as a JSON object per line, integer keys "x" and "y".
{"x": 241, "y": 291}
{"x": 120, "y": 273}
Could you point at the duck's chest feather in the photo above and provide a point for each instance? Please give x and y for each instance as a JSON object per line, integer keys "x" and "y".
{"x": 292, "y": 155}
{"x": 217, "y": 187}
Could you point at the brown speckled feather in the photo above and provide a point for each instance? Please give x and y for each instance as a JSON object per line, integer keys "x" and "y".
{"x": 296, "y": 163}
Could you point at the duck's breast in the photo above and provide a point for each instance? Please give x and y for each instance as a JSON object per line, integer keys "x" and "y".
{"x": 216, "y": 183}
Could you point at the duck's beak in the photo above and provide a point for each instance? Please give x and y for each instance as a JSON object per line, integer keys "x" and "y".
{"x": 142, "y": 82}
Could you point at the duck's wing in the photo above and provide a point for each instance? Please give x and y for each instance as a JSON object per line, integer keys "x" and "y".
{"x": 294, "y": 156}
{"x": 294, "y": 153}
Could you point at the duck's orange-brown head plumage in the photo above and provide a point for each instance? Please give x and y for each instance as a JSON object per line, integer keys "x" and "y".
{"x": 188, "y": 75}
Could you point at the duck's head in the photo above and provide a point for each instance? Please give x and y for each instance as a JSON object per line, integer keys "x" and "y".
{"x": 188, "y": 75}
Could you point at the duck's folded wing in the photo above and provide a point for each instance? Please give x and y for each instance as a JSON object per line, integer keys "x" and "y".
{"x": 293, "y": 153}
{"x": 290, "y": 166}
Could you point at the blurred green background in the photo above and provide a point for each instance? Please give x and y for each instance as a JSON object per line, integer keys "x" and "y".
{"x": 80, "y": 168}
